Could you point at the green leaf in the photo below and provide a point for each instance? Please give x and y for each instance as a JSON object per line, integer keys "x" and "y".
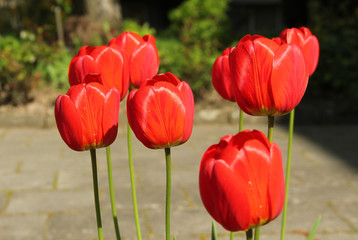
{"x": 314, "y": 229}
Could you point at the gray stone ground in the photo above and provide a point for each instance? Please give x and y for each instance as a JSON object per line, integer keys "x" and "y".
{"x": 46, "y": 188}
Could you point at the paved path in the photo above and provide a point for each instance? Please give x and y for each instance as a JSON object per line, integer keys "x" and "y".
{"x": 46, "y": 188}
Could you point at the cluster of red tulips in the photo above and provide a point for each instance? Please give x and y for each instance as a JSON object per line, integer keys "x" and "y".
{"x": 241, "y": 178}
{"x": 160, "y": 107}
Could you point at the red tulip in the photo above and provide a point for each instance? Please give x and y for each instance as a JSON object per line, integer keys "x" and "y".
{"x": 221, "y": 76}
{"x": 268, "y": 78}
{"x": 303, "y": 38}
{"x": 87, "y": 116}
{"x": 141, "y": 54}
{"x": 105, "y": 62}
{"x": 241, "y": 181}
{"x": 161, "y": 111}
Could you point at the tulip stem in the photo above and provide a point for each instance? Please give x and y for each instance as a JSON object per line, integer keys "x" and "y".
{"x": 249, "y": 234}
{"x": 131, "y": 173}
{"x": 96, "y": 195}
{"x": 232, "y": 234}
{"x": 288, "y": 171}
{"x": 241, "y": 120}
{"x": 168, "y": 193}
{"x": 213, "y": 231}
{"x": 111, "y": 193}
{"x": 257, "y": 233}
{"x": 271, "y": 120}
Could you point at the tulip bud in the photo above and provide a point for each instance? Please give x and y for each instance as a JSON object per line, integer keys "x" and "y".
{"x": 141, "y": 55}
{"x": 87, "y": 116}
{"x": 268, "y": 79}
{"x": 303, "y": 38}
{"x": 221, "y": 76}
{"x": 108, "y": 62}
{"x": 241, "y": 181}
{"x": 161, "y": 111}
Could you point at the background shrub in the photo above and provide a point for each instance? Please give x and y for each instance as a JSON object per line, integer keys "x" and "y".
{"x": 27, "y": 62}
{"x": 202, "y": 28}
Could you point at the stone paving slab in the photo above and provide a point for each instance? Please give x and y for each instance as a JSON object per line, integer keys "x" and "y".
{"x": 46, "y": 188}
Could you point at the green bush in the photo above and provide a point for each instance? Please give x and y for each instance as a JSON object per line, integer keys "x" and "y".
{"x": 26, "y": 63}
{"x": 134, "y": 26}
{"x": 202, "y": 27}
{"x": 53, "y": 67}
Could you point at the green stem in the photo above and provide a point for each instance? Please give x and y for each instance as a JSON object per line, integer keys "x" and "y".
{"x": 288, "y": 172}
{"x": 111, "y": 193}
{"x": 168, "y": 193}
{"x": 131, "y": 171}
{"x": 96, "y": 195}
{"x": 232, "y": 234}
{"x": 241, "y": 120}
{"x": 213, "y": 231}
{"x": 249, "y": 234}
{"x": 257, "y": 233}
{"x": 271, "y": 120}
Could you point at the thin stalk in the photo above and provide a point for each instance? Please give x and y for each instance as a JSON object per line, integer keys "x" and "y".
{"x": 241, "y": 120}
{"x": 232, "y": 235}
{"x": 111, "y": 193}
{"x": 257, "y": 233}
{"x": 96, "y": 195}
{"x": 168, "y": 193}
{"x": 131, "y": 172}
{"x": 249, "y": 234}
{"x": 271, "y": 120}
{"x": 213, "y": 231}
{"x": 288, "y": 172}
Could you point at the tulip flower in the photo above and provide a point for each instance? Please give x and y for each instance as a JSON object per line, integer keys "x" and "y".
{"x": 221, "y": 76}
{"x": 241, "y": 181}
{"x": 303, "y": 38}
{"x": 104, "y": 62}
{"x": 141, "y": 55}
{"x": 161, "y": 111}
{"x": 268, "y": 78}
{"x": 87, "y": 116}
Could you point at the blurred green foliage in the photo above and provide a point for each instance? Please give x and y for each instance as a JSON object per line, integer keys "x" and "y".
{"x": 335, "y": 23}
{"x": 133, "y": 26}
{"x": 27, "y": 60}
{"x": 202, "y": 28}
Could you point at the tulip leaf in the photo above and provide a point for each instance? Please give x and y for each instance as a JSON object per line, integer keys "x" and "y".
{"x": 314, "y": 229}
{"x": 213, "y": 231}
{"x": 174, "y": 238}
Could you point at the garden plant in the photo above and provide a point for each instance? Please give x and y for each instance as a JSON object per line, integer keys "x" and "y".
{"x": 241, "y": 179}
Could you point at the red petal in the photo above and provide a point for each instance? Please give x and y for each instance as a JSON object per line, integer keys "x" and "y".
{"x": 310, "y": 50}
{"x": 221, "y": 76}
{"x": 127, "y": 42}
{"x": 289, "y": 78}
{"x": 188, "y": 97}
{"x": 144, "y": 64}
{"x": 111, "y": 63}
{"x": 79, "y": 67}
{"x": 159, "y": 113}
{"x": 68, "y": 122}
{"x": 276, "y": 183}
{"x": 110, "y": 116}
{"x": 251, "y": 65}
